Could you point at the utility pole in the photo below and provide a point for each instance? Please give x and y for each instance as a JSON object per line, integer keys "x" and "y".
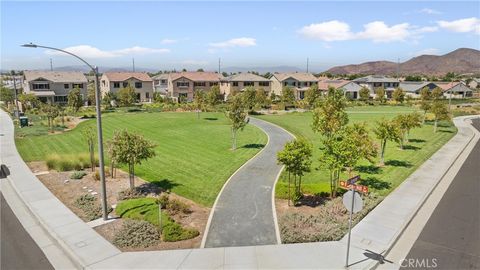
{"x": 133, "y": 64}
{"x": 51, "y": 65}
{"x": 219, "y": 65}
{"x": 307, "y": 64}
{"x": 398, "y": 67}
{"x": 17, "y": 114}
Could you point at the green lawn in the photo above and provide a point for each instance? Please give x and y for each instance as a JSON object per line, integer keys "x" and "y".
{"x": 399, "y": 163}
{"x": 193, "y": 155}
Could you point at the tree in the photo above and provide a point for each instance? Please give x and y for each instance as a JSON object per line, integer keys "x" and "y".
{"x": 214, "y": 96}
{"x": 386, "y": 131}
{"x": 288, "y": 96}
{"x": 330, "y": 116}
{"x": 405, "y": 122}
{"x": 380, "y": 94}
{"x": 260, "y": 98}
{"x": 249, "y": 97}
{"x": 51, "y": 112}
{"x": 200, "y": 70}
{"x": 6, "y": 95}
{"x": 131, "y": 149}
{"x": 437, "y": 93}
{"x": 89, "y": 135}
{"x": 237, "y": 115}
{"x": 425, "y": 102}
{"x": 75, "y": 100}
{"x": 414, "y": 121}
{"x": 296, "y": 157}
{"x": 29, "y": 101}
{"x": 199, "y": 101}
{"x": 364, "y": 94}
{"x": 127, "y": 96}
{"x": 91, "y": 94}
{"x": 440, "y": 111}
{"x": 312, "y": 95}
{"x": 398, "y": 95}
{"x": 108, "y": 98}
{"x": 413, "y": 78}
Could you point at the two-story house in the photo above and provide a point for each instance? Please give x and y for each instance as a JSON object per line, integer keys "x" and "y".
{"x": 54, "y": 86}
{"x": 182, "y": 85}
{"x": 298, "y": 81}
{"x": 373, "y": 82}
{"x": 238, "y": 83}
{"x": 350, "y": 89}
{"x": 160, "y": 83}
{"x": 140, "y": 81}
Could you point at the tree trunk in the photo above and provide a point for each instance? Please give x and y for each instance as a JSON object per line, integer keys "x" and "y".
{"x": 92, "y": 156}
{"x": 331, "y": 184}
{"x": 300, "y": 184}
{"x": 130, "y": 175}
{"x": 407, "y": 135}
{"x": 424, "y": 116}
{"x": 234, "y": 139}
{"x": 435, "y": 126}
{"x": 198, "y": 114}
{"x": 289, "y": 185}
{"x": 382, "y": 153}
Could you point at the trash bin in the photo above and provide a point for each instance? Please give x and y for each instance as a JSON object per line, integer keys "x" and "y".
{"x": 23, "y": 121}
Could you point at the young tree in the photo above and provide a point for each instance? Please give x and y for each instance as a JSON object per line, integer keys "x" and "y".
{"x": 91, "y": 94}
{"x": 296, "y": 157}
{"x": 29, "y": 101}
{"x": 89, "y": 135}
{"x": 51, "y": 112}
{"x": 380, "y": 94}
{"x": 288, "y": 96}
{"x": 330, "y": 116}
{"x": 425, "y": 102}
{"x": 313, "y": 95}
{"x": 398, "y": 95}
{"x": 364, "y": 94}
{"x": 199, "y": 101}
{"x": 109, "y": 100}
{"x": 214, "y": 96}
{"x": 75, "y": 100}
{"x": 405, "y": 122}
{"x": 131, "y": 149}
{"x": 127, "y": 96}
{"x": 249, "y": 97}
{"x": 440, "y": 112}
{"x": 260, "y": 98}
{"x": 6, "y": 95}
{"x": 386, "y": 130}
{"x": 437, "y": 93}
{"x": 237, "y": 115}
{"x": 414, "y": 120}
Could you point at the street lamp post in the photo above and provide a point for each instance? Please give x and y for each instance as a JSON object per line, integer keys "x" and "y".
{"x": 99, "y": 123}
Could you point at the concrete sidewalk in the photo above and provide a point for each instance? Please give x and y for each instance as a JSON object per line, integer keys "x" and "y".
{"x": 376, "y": 232}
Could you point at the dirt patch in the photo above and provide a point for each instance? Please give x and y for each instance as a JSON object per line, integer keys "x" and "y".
{"x": 68, "y": 190}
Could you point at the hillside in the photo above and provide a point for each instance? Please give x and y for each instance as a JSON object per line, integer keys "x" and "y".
{"x": 462, "y": 60}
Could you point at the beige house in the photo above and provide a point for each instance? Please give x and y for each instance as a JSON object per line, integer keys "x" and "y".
{"x": 299, "y": 81}
{"x": 141, "y": 82}
{"x": 350, "y": 89}
{"x": 181, "y": 85}
{"x": 373, "y": 82}
{"x": 54, "y": 86}
{"x": 238, "y": 83}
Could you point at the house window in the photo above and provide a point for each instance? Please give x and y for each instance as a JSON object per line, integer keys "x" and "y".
{"x": 116, "y": 85}
{"x": 40, "y": 86}
{"x": 147, "y": 95}
{"x": 66, "y": 86}
{"x": 138, "y": 84}
{"x": 163, "y": 81}
{"x": 247, "y": 83}
{"x": 183, "y": 84}
{"x": 301, "y": 94}
{"x": 77, "y": 85}
{"x": 125, "y": 84}
{"x": 213, "y": 83}
{"x": 199, "y": 84}
{"x": 235, "y": 83}
{"x": 60, "y": 99}
{"x": 182, "y": 97}
{"x": 264, "y": 83}
{"x": 285, "y": 83}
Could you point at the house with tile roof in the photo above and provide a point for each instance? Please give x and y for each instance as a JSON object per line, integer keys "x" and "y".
{"x": 350, "y": 89}
{"x": 114, "y": 81}
{"x": 455, "y": 89}
{"x": 373, "y": 82}
{"x": 298, "y": 81}
{"x": 413, "y": 89}
{"x": 238, "y": 83}
{"x": 182, "y": 85}
{"x": 160, "y": 83}
{"x": 54, "y": 86}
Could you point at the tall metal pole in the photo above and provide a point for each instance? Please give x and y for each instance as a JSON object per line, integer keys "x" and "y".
{"x": 350, "y": 226}
{"x": 133, "y": 64}
{"x": 307, "y": 64}
{"x": 51, "y": 65}
{"x": 17, "y": 114}
{"x": 219, "y": 65}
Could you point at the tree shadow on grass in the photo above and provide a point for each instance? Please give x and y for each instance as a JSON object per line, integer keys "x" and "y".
{"x": 416, "y": 140}
{"x": 445, "y": 131}
{"x": 370, "y": 169}
{"x": 211, "y": 118}
{"x": 398, "y": 163}
{"x": 374, "y": 182}
{"x": 411, "y": 147}
{"x": 165, "y": 184}
{"x": 313, "y": 200}
{"x": 253, "y": 145}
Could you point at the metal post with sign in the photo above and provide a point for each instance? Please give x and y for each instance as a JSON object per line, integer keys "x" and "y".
{"x": 353, "y": 202}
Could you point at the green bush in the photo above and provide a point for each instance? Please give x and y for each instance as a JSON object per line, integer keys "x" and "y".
{"x": 129, "y": 194}
{"x": 175, "y": 206}
{"x": 173, "y": 232}
{"x": 90, "y": 206}
{"x": 52, "y": 161}
{"x": 63, "y": 163}
{"x": 77, "y": 175}
{"x": 163, "y": 200}
{"x": 136, "y": 233}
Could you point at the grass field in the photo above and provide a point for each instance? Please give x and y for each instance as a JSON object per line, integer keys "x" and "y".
{"x": 193, "y": 155}
{"x": 399, "y": 163}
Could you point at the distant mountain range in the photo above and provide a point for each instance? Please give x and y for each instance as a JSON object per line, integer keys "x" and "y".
{"x": 460, "y": 61}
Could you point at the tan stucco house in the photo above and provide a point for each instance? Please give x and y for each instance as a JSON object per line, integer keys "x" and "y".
{"x": 238, "y": 83}
{"x": 140, "y": 81}
{"x": 54, "y": 86}
{"x": 181, "y": 85}
{"x": 298, "y": 81}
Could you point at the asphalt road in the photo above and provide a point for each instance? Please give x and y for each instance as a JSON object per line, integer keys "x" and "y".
{"x": 243, "y": 214}
{"x": 18, "y": 250}
{"x": 451, "y": 237}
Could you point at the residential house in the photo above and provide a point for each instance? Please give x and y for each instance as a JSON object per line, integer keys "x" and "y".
{"x": 182, "y": 85}
{"x": 54, "y": 86}
{"x": 160, "y": 83}
{"x": 299, "y": 81}
{"x": 238, "y": 83}
{"x": 350, "y": 89}
{"x": 455, "y": 89}
{"x": 475, "y": 83}
{"x": 373, "y": 82}
{"x": 114, "y": 81}
{"x": 413, "y": 89}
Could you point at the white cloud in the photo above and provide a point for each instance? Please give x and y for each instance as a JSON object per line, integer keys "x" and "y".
{"x": 429, "y": 11}
{"x": 194, "y": 62}
{"x": 235, "y": 42}
{"x": 462, "y": 25}
{"x": 378, "y": 31}
{"x": 168, "y": 41}
{"x": 327, "y": 31}
{"x": 426, "y": 29}
{"x": 88, "y": 51}
{"x": 429, "y": 51}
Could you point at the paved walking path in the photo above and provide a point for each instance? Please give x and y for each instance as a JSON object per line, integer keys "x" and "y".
{"x": 243, "y": 213}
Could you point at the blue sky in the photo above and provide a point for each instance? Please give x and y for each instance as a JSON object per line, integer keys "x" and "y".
{"x": 165, "y": 35}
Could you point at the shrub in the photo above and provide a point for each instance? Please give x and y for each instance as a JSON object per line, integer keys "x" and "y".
{"x": 69, "y": 162}
{"x": 129, "y": 194}
{"x": 96, "y": 175}
{"x": 175, "y": 206}
{"x": 90, "y": 206}
{"x": 136, "y": 233}
{"x": 52, "y": 161}
{"x": 173, "y": 232}
{"x": 163, "y": 200}
{"x": 77, "y": 175}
